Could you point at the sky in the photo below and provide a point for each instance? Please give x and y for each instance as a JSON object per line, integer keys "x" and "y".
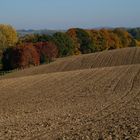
{"x": 64, "y": 14}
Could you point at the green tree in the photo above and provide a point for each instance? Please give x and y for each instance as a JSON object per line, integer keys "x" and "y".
{"x": 34, "y": 38}
{"x": 64, "y": 43}
{"x": 86, "y": 43}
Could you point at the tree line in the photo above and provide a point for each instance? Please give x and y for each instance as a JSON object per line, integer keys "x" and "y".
{"x": 19, "y": 52}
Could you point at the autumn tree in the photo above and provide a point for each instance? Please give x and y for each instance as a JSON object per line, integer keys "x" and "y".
{"x": 126, "y": 39}
{"x": 8, "y": 36}
{"x": 28, "y": 56}
{"x": 20, "y": 57}
{"x": 82, "y": 41}
{"x": 111, "y": 40}
{"x": 73, "y": 35}
{"x": 47, "y": 51}
{"x": 2, "y": 41}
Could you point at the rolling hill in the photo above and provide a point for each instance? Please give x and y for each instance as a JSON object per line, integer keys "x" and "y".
{"x": 125, "y": 56}
{"x": 89, "y": 97}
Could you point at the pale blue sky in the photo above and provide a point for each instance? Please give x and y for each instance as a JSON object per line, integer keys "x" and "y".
{"x": 63, "y": 14}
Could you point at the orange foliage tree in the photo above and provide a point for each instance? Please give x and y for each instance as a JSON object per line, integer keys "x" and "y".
{"x": 22, "y": 56}
{"x": 47, "y": 51}
{"x": 73, "y": 35}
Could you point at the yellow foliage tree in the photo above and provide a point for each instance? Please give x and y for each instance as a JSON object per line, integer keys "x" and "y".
{"x": 8, "y": 36}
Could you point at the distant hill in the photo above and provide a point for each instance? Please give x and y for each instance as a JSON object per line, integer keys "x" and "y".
{"x": 43, "y": 31}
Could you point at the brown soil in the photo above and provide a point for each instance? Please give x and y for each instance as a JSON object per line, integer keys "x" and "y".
{"x": 88, "y": 104}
